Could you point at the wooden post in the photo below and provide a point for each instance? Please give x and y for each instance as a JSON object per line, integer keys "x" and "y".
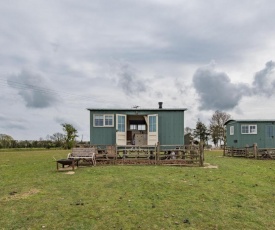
{"x": 246, "y": 151}
{"x": 155, "y": 154}
{"x": 255, "y": 150}
{"x": 73, "y": 164}
{"x": 115, "y": 162}
{"x": 158, "y": 152}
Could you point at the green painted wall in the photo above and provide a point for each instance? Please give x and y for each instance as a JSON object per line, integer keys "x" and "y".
{"x": 265, "y": 137}
{"x": 170, "y": 126}
{"x": 102, "y": 135}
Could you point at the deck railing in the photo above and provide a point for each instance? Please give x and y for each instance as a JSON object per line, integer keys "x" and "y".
{"x": 250, "y": 152}
{"x": 189, "y": 155}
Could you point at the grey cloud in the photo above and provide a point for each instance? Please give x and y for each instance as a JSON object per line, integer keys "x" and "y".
{"x": 8, "y": 123}
{"x": 264, "y": 82}
{"x": 216, "y": 91}
{"x": 129, "y": 82}
{"x": 61, "y": 121}
{"x": 142, "y": 30}
{"x": 12, "y": 125}
{"x": 34, "y": 89}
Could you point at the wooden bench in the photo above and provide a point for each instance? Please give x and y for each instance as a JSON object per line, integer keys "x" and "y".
{"x": 84, "y": 154}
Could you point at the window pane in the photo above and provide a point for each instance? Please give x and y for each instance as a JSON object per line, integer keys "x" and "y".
{"x": 133, "y": 127}
{"x": 231, "y": 130}
{"x": 98, "y": 120}
{"x": 121, "y": 123}
{"x": 141, "y": 127}
{"x": 152, "y": 124}
{"x": 252, "y": 129}
{"x": 244, "y": 128}
{"x": 108, "y": 120}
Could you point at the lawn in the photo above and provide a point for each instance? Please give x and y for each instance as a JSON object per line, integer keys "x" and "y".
{"x": 240, "y": 194}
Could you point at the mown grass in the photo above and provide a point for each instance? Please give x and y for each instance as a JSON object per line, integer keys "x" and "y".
{"x": 238, "y": 195}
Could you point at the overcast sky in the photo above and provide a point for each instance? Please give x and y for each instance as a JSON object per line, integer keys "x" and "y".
{"x": 60, "y": 57}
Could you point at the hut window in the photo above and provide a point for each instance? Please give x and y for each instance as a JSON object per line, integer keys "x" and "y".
{"x": 103, "y": 120}
{"x": 249, "y": 129}
{"x": 137, "y": 127}
{"x": 231, "y": 130}
{"x": 109, "y": 120}
{"x": 141, "y": 127}
{"x": 133, "y": 127}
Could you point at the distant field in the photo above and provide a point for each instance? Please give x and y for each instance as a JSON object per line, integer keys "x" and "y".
{"x": 240, "y": 194}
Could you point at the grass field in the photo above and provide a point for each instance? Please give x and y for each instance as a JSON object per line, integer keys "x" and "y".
{"x": 240, "y": 194}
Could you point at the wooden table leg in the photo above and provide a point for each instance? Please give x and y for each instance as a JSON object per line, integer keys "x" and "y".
{"x": 73, "y": 164}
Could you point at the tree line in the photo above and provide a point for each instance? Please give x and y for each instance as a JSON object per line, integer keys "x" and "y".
{"x": 215, "y": 132}
{"x": 64, "y": 140}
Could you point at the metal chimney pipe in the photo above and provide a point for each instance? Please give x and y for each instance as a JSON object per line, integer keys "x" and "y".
{"x": 160, "y": 105}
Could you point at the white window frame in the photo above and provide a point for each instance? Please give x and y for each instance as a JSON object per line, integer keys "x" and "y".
{"x": 250, "y": 129}
{"x": 232, "y": 130}
{"x": 104, "y": 120}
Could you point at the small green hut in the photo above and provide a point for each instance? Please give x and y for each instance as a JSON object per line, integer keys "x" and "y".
{"x": 137, "y": 126}
{"x": 243, "y": 133}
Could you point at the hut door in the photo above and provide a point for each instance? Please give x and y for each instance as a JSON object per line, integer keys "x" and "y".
{"x": 121, "y": 129}
{"x": 152, "y": 129}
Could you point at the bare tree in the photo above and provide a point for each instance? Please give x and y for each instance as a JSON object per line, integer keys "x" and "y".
{"x": 217, "y": 129}
{"x": 58, "y": 139}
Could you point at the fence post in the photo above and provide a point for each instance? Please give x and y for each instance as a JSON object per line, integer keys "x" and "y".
{"x": 115, "y": 154}
{"x": 158, "y": 152}
{"x": 255, "y": 150}
{"x": 246, "y": 151}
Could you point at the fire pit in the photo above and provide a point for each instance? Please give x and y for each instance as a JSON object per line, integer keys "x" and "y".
{"x": 63, "y": 162}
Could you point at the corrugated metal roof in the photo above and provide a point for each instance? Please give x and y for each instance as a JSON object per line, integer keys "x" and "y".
{"x": 248, "y": 121}
{"x": 139, "y": 109}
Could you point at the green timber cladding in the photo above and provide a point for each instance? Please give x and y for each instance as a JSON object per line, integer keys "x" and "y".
{"x": 242, "y": 133}
{"x": 137, "y": 126}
